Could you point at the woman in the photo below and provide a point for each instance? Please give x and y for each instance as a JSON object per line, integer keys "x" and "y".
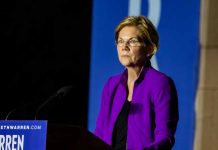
{"x": 139, "y": 108}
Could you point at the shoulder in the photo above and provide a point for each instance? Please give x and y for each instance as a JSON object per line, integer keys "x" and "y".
{"x": 158, "y": 79}
{"x": 153, "y": 73}
{"x": 110, "y": 86}
{"x": 113, "y": 81}
{"x": 162, "y": 87}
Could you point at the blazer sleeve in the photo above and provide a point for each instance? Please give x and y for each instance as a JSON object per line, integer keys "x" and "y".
{"x": 165, "y": 102}
{"x": 102, "y": 113}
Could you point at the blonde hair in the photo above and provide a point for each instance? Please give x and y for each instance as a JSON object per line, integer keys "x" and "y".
{"x": 149, "y": 34}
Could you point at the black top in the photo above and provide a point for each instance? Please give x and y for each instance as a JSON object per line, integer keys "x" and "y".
{"x": 120, "y": 128}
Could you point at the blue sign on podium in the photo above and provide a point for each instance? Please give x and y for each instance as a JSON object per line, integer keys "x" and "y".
{"x": 23, "y": 134}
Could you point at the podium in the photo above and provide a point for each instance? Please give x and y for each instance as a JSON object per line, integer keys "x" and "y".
{"x": 42, "y": 135}
{"x": 23, "y": 134}
{"x": 70, "y": 137}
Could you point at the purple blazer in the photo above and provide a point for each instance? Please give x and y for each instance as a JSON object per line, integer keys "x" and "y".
{"x": 153, "y": 113}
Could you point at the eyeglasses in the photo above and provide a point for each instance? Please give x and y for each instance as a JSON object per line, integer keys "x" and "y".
{"x": 133, "y": 42}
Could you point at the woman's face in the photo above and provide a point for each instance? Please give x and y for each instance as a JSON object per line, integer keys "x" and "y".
{"x": 131, "y": 51}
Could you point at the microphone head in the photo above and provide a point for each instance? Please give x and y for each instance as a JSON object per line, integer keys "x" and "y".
{"x": 64, "y": 90}
{"x": 61, "y": 93}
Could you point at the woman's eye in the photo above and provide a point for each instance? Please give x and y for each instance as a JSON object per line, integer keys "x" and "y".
{"x": 120, "y": 41}
{"x": 133, "y": 41}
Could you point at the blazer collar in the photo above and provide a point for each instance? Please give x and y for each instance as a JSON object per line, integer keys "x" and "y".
{"x": 124, "y": 75}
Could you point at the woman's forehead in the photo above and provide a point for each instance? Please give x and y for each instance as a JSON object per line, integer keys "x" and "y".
{"x": 129, "y": 31}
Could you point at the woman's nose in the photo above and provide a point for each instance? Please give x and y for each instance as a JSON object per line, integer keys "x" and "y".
{"x": 125, "y": 46}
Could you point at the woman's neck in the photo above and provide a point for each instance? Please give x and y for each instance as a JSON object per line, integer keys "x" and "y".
{"x": 133, "y": 73}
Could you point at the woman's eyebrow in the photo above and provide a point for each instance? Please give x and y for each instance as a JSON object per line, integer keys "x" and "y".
{"x": 128, "y": 38}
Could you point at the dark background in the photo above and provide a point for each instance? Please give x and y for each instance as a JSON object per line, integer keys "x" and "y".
{"x": 45, "y": 46}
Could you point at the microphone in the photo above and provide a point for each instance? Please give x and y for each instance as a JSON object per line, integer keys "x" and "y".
{"x": 10, "y": 112}
{"x": 14, "y": 110}
{"x": 62, "y": 92}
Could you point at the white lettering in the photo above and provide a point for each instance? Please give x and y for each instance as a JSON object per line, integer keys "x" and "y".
{"x": 11, "y": 142}
{"x": 20, "y": 143}
{"x": 2, "y": 141}
{"x": 8, "y": 142}
{"x": 14, "y": 139}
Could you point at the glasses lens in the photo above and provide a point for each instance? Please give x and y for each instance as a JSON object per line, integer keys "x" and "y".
{"x": 130, "y": 42}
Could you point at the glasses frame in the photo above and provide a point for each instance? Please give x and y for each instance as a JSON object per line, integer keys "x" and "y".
{"x": 131, "y": 42}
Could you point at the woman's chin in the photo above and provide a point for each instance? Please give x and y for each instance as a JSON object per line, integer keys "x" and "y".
{"x": 126, "y": 63}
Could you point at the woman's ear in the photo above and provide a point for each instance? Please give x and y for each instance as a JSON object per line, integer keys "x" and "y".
{"x": 150, "y": 50}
